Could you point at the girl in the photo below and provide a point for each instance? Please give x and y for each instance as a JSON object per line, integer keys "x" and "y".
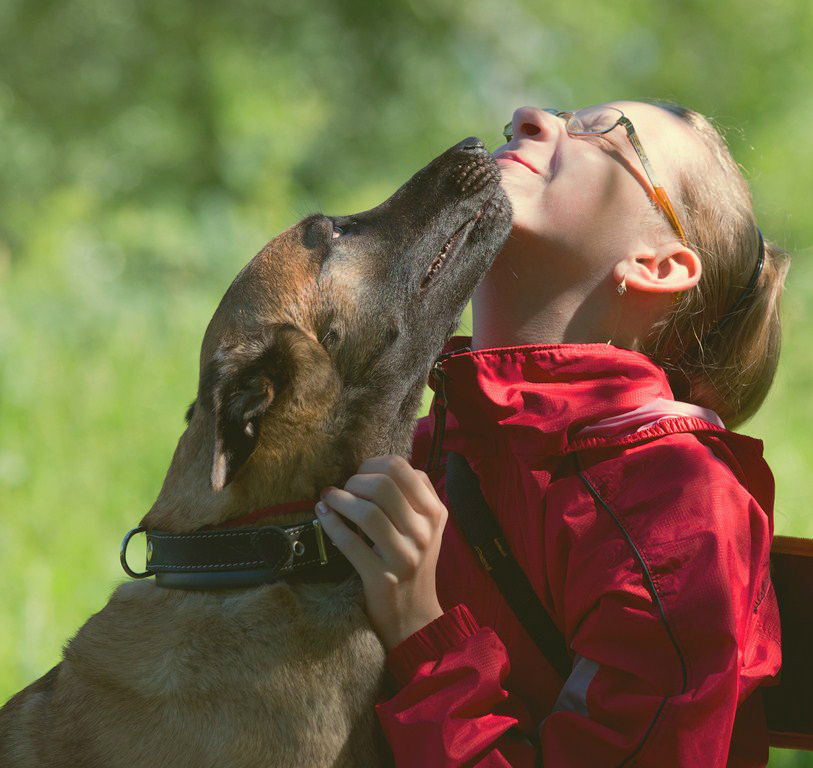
{"x": 628, "y": 321}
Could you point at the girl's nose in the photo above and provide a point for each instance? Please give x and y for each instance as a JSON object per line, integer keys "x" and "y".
{"x": 533, "y": 123}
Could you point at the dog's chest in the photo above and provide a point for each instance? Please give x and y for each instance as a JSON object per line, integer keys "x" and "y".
{"x": 277, "y": 675}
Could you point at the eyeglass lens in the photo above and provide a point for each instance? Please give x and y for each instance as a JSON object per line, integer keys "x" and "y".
{"x": 589, "y": 121}
{"x": 593, "y": 120}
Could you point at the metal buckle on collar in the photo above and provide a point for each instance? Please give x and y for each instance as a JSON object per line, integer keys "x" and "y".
{"x": 296, "y": 541}
{"x": 123, "y": 554}
{"x": 295, "y": 535}
{"x": 297, "y": 547}
{"x": 320, "y": 541}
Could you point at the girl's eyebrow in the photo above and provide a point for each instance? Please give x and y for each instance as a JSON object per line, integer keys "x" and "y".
{"x": 617, "y": 150}
{"x": 617, "y": 145}
{"x": 618, "y": 154}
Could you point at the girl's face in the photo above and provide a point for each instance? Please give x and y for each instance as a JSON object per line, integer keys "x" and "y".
{"x": 583, "y": 201}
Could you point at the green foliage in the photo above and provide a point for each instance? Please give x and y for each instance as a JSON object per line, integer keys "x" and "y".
{"x": 151, "y": 148}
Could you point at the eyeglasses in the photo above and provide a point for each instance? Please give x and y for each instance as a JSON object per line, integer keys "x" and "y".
{"x": 596, "y": 121}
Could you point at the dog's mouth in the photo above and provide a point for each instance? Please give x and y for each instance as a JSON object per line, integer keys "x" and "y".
{"x": 449, "y": 250}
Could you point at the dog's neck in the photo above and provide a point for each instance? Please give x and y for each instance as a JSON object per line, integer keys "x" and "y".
{"x": 285, "y": 467}
{"x": 269, "y": 478}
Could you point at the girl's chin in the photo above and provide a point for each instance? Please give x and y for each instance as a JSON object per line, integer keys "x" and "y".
{"x": 526, "y": 222}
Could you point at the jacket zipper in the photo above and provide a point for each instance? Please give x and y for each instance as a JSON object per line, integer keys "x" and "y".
{"x": 439, "y": 402}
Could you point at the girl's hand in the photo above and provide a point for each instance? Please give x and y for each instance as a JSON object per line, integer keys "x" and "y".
{"x": 397, "y": 509}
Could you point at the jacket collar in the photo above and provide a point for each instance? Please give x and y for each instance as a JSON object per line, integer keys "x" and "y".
{"x": 546, "y": 398}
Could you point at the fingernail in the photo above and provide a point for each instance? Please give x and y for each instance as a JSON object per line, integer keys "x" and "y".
{"x": 321, "y": 509}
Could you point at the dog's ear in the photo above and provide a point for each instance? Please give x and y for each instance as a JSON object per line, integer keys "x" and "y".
{"x": 243, "y": 381}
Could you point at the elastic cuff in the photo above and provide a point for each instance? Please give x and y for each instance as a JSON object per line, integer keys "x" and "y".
{"x": 430, "y": 643}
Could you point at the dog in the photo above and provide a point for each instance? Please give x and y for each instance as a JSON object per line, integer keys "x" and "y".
{"x": 315, "y": 359}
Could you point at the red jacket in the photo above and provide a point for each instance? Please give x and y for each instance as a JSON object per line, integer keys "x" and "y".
{"x": 658, "y": 577}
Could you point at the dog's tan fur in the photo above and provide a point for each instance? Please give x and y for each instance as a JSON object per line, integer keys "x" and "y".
{"x": 279, "y": 674}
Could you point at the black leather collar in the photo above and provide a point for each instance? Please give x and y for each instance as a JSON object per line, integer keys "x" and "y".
{"x": 239, "y": 557}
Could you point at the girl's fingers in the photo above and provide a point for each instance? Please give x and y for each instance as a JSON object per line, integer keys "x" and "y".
{"x": 389, "y": 543}
{"x": 349, "y": 543}
{"x": 413, "y": 485}
{"x": 397, "y": 510}
{"x": 382, "y": 492}
{"x": 424, "y": 478}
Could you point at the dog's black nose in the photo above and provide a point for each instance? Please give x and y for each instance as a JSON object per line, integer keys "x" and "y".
{"x": 471, "y": 143}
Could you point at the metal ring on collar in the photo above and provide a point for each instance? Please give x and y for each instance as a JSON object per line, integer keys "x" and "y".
{"x": 123, "y": 556}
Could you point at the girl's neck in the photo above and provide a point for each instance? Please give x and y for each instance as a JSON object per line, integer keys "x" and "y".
{"x": 511, "y": 309}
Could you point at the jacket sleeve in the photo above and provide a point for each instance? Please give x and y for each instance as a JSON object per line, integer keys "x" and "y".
{"x": 659, "y": 630}
{"x": 626, "y": 700}
{"x": 451, "y": 708}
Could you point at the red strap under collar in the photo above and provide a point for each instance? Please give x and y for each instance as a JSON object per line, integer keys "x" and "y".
{"x": 289, "y": 507}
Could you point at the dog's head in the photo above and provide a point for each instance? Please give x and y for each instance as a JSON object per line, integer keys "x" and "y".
{"x": 319, "y": 351}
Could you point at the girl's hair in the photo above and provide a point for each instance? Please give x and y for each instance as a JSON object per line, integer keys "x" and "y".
{"x": 722, "y": 361}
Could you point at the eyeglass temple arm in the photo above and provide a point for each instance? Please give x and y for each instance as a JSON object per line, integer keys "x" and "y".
{"x": 660, "y": 192}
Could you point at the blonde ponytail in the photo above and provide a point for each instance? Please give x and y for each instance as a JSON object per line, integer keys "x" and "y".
{"x": 719, "y": 347}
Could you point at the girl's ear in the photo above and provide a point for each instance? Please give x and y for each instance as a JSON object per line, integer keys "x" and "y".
{"x": 669, "y": 268}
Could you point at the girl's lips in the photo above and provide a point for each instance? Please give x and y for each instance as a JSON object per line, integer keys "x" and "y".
{"x": 513, "y": 156}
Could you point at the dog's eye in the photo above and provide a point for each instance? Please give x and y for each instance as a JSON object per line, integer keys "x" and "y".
{"x": 342, "y": 229}
{"x": 330, "y": 338}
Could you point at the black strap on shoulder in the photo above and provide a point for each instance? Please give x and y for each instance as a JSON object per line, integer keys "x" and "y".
{"x": 481, "y": 529}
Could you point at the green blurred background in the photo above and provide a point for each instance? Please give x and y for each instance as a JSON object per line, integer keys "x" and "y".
{"x": 150, "y": 148}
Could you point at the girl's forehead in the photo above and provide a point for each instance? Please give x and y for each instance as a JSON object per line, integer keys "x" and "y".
{"x": 665, "y": 137}
{"x": 653, "y": 122}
